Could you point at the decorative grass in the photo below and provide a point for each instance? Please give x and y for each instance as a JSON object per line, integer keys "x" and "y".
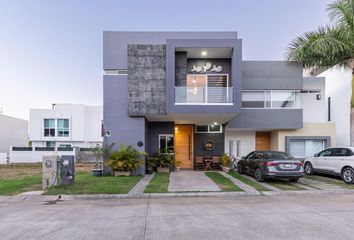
{"x": 158, "y": 184}
{"x": 85, "y": 183}
{"x": 249, "y": 182}
{"x": 225, "y": 184}
{"x": 19, "y": 185}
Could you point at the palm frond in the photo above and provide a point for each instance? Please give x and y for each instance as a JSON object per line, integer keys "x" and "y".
{"x": 341, "y": 14}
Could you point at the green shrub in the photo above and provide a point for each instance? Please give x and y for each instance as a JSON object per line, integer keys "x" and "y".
{"x": 225, "y": 160}
{"x": 125, "y": 159}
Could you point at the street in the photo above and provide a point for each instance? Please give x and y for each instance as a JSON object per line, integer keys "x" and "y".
{"x": 277, "y": 217}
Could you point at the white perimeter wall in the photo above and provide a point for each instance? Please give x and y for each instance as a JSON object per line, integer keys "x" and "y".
{"x": 35, "y": 156}
{"x": 3, "y": 158}
{"x": 338, "y": 87}
{"x": 13, "y": 132}
{"x": 247, "y": 138}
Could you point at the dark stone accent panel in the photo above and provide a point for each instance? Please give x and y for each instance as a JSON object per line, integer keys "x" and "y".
{"x": 181, "y": 69}
{"x": 146, "y": 80}
{"x": 199, "y": 140}
{"x": 268, "y": 119}
{"x": 153, "y": 131}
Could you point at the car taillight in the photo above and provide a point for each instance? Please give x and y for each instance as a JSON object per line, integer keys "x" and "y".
{"x": 301, "y": 164}
{"x": 271, "y": 164}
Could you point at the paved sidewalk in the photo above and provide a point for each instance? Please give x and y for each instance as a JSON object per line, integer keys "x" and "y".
{"x": 237, "y": 182}
{"x": 191, "y": 181}
{"x": 139, "y": 188}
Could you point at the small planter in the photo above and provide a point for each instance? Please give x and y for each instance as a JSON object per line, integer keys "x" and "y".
{"x": 149, "y": 171}
{"x": 163, "y": 169}
{"x": 122, "y": 173}
{"x": 97, "y": 172}
{"x": 225, "y": 169}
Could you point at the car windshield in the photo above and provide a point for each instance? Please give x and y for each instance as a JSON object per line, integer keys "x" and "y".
{"x": 275, "y": 155}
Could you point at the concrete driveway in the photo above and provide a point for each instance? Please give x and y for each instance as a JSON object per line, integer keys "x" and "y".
{"x": 277, "y": 217}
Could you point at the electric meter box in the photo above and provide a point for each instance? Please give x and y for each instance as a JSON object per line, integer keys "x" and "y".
{"x": 49, "y": 171}
{"x": 67, "y": 170}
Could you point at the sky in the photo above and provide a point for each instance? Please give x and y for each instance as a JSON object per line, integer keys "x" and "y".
{"x": 51, "y": 51}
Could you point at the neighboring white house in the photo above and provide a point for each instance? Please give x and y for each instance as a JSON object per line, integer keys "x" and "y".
{"x": 66, "y": 125}
{"x": 13, "y": 132}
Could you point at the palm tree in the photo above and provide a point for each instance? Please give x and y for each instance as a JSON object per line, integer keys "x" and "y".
{"x": 328, "y": 46}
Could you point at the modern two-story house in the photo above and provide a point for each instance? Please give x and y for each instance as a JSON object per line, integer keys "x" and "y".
{"x": 190, "y": 94}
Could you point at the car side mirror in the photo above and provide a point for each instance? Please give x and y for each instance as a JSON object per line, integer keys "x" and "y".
{"x": 316, "y": 155}
{"x": 243, "y": 158}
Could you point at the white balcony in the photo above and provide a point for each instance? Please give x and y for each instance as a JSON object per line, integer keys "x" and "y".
{"x": 204, "y": 95}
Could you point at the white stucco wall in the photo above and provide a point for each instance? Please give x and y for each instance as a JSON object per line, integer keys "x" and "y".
{"x": 35, "y": 156}
{"x": 84, "y": 122}
{"x": 314, "y": 110}
{"x": 338, "y": 87}
{"x": 247, "y": 138}
{"x": 13, "y": 132}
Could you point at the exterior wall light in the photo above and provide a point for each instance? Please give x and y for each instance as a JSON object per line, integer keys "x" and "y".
{"x": 204, "y": 53}
{"x": 318, "y": 96}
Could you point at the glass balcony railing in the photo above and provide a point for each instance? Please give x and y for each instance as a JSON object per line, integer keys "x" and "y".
{"x": 203, "y": 95}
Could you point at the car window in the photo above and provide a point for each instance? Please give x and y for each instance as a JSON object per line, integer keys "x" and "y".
{"x": 250, "y": 156}
{"x": 342, "y": 152}
{"x": 326, "y": 153}
{"x": 276, "y": 155}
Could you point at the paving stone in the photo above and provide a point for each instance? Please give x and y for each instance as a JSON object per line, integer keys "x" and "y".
{"x": 191, "y": 181}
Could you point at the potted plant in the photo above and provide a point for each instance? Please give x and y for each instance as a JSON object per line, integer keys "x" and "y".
{"x": 99, "y": 152}
{"x": 125, "y": 160}
{"x": 178, "y": 166}
{"x": 225, "y": 162}
{"x": 164, "y": 163}
{"x": 151, "y": 164}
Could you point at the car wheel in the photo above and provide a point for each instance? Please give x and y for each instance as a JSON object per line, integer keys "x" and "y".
{"x": 294, "y": 179}
{"x": 239, "y": 169}
{"x": 258, "y": 175}
{"x": 308, "y": 168}
{"x": 348, "y": 175}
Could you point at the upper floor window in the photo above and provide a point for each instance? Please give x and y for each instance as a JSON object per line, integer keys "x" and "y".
{"x": 63, "y": 127}
{"x": 208, "y": 128}
{"x": 270, "y": 99}
{"x": 49, "y": 127}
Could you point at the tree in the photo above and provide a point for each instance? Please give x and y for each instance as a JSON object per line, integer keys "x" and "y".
{"x": 330, "y": 45}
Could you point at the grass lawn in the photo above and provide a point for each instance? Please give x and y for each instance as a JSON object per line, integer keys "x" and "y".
{"x": 85, "y": 183}
{"x": 225, "y": 184}
{"x": 249, "y": 182}
{"x": 284, "y": 185}
{"x": 331, "y": 180}
{"x": 19, "y": 185}
{"x": 158, "y": 184}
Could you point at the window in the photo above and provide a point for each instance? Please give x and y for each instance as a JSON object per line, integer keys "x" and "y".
{"x": 342, "y": 152}
{"x": 63, "y": 127}
{"x": 166, "y": 143}
{"x": 326, "y": 153}
{"x": 65, "y": 145}
{"x": 208, "y": 129}
{"x": 269, "y": 99}
{"x": 49, "y": 127}
{"x": 49, "y": 144}
{"x": 301, "y": 148}
{"x": 231, "y": 148}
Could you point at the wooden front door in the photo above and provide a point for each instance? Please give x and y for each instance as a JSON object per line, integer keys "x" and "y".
{"x": 262, "y": 141}
{"x": 184, "y": 146}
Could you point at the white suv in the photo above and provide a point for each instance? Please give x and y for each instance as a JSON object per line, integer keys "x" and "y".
{"x": 337, "y": 161}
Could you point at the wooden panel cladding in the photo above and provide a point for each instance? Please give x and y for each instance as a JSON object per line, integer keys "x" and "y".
{"x": 263, "y": 141}
{"x": 184, "y": 145}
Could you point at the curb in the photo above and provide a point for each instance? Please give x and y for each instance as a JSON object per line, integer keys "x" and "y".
{"x": 21, "y": 198}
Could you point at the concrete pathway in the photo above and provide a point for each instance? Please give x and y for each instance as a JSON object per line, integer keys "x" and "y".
{"x": 237, "y": 182}
{"x": 191, "y": 181}
{"x": 318, "y": 184}
{"x": 139, "y": 188}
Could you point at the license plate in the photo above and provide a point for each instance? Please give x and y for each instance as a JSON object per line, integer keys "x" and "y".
{"x": 287, "y": 165}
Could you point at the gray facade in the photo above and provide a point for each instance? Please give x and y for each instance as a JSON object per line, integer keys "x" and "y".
{"x": 141, "y": 105}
